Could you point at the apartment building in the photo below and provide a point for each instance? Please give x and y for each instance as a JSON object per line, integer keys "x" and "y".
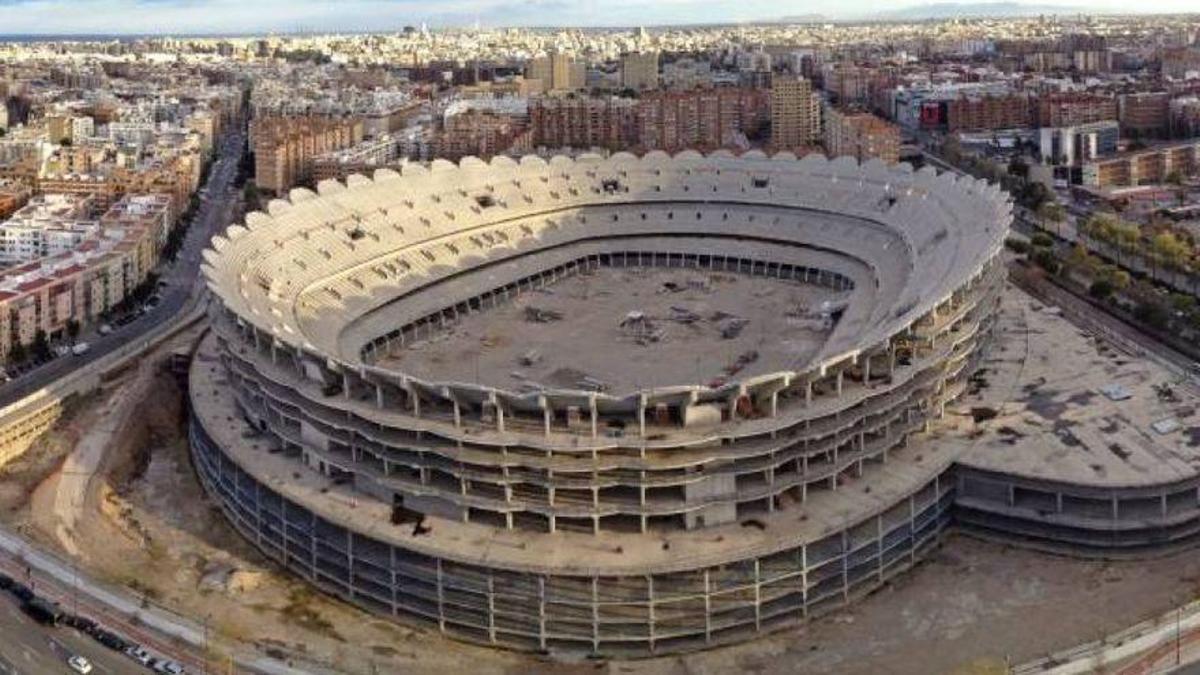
{"x": 795, "y": 113}
{"x": 1074, "y": 109}
{"x": 557, "y": 71}
{"x": 1145, "y": 114}
{"x": 639, "y": 70}
{"x": 702, "y": 119}
{"x": 988, "y": 112}
{"x": 13, "y": 195}
{"x": 861, "y": 135}
{"x": 285, "y": 147}
{"x": 582, "y": 122}
{"x": 1183, "y": 117}
{"x": 1144, "y": 167}
{"x": 48, "y": 225}
{"x": 362, "y": 158}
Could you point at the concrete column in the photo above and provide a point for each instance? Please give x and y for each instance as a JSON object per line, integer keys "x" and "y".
{"x": 379, "y": 396}
{"x": 414, "y": 400}
{"x": 542, "y": 610}
{"x": 840, "y": 376}
{"x": 707, "y": 607}
{"x": 595, "y": 415}
{"x": 641, "y": 413}
{"x": 441, "y": 597}
{"x": 808, "y": 392}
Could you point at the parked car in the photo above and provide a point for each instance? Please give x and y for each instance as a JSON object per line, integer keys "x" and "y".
{"x": 79, "y": 623}
{"x": 138, "y": 653}
{"x": 80, "y": 349}
{"x": 168, "y": 667}
{"x": 105, "y": 329}
{"x": 21, "y": 591}
{"x": 112, "y": 640}
{"x": 80, "y": 664}
{"x": 42, "y": 610}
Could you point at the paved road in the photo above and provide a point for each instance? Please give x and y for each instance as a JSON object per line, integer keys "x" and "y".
{"x": 27, "y": 647}
{"x": 181, "y": 277}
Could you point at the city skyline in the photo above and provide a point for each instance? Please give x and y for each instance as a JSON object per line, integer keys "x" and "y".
{"x": 193, "y": 17}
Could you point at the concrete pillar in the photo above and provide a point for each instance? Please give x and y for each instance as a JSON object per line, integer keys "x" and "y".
{"x": 379, "y": 396}
{"x": 641, "y": 413}
{"x": 840, "y": 376}
{"x": 414, "y": 400}
{"x": 595, "y": 415}
{"x": 542, "y": 611}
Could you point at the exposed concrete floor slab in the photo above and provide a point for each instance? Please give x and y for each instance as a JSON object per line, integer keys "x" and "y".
{"x": 586, "y": 328}
{"x": 1061, "y": 426}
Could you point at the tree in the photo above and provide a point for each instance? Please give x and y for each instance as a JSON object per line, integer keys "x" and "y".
{"x": 18, "y": 353}
{"x": 1045, "y": 259}
{"x": 73, "y": 329}
{"x": 1052, "y": 212}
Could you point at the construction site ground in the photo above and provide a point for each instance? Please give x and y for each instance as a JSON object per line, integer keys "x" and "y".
{"x": 143, "y": 520}
{"x": 620, "y": 330}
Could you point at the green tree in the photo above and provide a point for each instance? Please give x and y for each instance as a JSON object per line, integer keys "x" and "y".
{"x": 73, "y": 329}
{"x": 1052, "y": 212}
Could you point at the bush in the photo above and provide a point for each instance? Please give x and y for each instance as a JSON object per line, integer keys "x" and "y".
{"x": 1101, "y": 289}
{"x": 1151, "y": 313}
{"x": 1042, "y": 239}
{"x": 1045, "y": 259}
{"x": 1018, "y": 246}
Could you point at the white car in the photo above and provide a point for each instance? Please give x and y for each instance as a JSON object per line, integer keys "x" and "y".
{"x": 80, "y": 664}
{"x": 168, "y": 667}
{"x": 140, "y": 655}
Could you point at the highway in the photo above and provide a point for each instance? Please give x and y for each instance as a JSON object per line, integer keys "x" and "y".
{"x": 181, "y": 278}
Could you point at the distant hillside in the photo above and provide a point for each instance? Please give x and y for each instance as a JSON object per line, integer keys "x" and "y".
{"x": 954, "y": 10}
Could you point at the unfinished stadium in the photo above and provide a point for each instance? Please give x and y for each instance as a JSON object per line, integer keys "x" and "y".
{"x": 619, "y": 406}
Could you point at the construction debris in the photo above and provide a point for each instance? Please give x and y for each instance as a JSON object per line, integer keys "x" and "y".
{"x": 733, "y": 328}
{"x": 539, "y": 315}
{"x": 683, "y": 315}
{"x": 742, "y": 361}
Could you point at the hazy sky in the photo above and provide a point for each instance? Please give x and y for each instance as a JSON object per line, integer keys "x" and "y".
{"x": 249, "y": 16}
